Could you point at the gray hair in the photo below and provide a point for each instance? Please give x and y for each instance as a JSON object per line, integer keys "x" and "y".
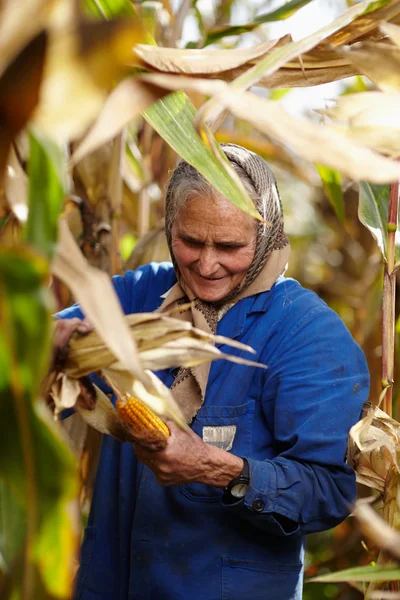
{"x": 188, "y": 184}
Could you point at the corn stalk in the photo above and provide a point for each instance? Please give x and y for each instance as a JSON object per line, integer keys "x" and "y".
{"x": 388, "y": 305}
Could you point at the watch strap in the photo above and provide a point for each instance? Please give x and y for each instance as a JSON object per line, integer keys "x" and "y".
{"x": 242, "y": 478}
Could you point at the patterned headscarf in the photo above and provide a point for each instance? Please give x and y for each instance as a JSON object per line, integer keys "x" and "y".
{"x": 269, "y": 237}
{"x": 270, "y": 258}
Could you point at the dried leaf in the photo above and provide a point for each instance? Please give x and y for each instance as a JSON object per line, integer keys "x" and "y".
{"x": 94, "y": 292}
{"x": 201, "y": 62}
{"x": 275, "y": 59}
{"x": 379, "y": 62}
{"x": 123, "y": 105}
{"x": 82, "y": 67}
{"x": 105, "y": 418}
{"x": 187, "y": 352}
{"x": 162, "y": 402}
{"x": 19, "y": 95}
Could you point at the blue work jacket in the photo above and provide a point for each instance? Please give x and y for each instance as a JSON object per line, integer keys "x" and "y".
{"x": 147, "y": 542}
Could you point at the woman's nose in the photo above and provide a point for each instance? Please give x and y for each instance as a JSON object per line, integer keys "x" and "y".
{"x": 208, "y": 262}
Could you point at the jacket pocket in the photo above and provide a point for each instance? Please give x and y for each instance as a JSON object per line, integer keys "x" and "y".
{"x": 227, "y": 427}
{"x": 89, "y": 540}
{"x": 260, "y": 581}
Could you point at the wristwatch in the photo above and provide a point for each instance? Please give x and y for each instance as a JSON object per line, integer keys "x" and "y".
{"x": 237, "y": 487}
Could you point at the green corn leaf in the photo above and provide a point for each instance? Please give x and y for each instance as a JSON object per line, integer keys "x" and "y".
{"x": 373, "y": 212}
{"x": 332, "y": 184}
{"x": 12, "y": 526}
{"x": 35, "y": 464}
{"x": 109, "y": 9}
{"x": 367, "y": 573}
{"x": 172, "y": 117}
{"x": 47, "y": 189}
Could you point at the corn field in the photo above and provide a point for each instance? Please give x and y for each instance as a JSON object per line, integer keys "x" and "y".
{"x": 98, "y": 99}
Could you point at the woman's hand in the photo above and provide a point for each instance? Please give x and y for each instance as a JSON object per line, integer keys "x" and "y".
{"x": 62, "y": 334}
{"x": 188, "y": 459}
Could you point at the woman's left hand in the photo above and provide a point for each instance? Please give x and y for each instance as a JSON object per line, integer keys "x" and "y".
{"x": 187, "y": 459}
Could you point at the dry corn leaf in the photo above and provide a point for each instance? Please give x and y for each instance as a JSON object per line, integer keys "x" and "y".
{"x": 268, "y": 65}
{"x": 378, "y": 61}
{"x": 95, "y": 294}
{"x": 393, "y": 31}
{"x": 188, "y": 352}
{"x": 19, "y": 95}
{"x": 298, "y": 75}
{"x": 17, "y": 32}
{"x": 375, "y": 528}
{"x": 162, "y": 342}
{"x": 125, "y": 384}
{"x": 373, "y": 448}
{"x": 105, "y": 418}
{"x": 82, "y": 66}
{"x": 123, "y": 105}
{"x": 202, "y": 62}
{"x": 312, "y": 141}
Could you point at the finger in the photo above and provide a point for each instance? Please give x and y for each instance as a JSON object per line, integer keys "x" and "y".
{"x": 84, "y": 327}
{"x": 87, "y": 396}
{"x": 63, "y": 331}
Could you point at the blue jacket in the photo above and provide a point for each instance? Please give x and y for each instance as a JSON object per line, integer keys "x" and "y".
{"x": 147, "y": 542}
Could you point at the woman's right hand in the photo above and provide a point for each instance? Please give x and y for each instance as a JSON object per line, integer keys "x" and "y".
{"x": 62, "y": 334}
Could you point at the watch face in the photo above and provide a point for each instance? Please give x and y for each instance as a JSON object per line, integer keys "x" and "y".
{"x": 239, "y": 490}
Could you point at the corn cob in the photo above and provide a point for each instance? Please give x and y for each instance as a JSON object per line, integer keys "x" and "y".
{"x": 138, "y": 417}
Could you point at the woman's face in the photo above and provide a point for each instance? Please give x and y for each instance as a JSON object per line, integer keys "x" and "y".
{"x": 213, "y": 243}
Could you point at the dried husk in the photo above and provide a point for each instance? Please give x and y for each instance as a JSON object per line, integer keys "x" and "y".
{"x": 373, "y": 453}
{"x": 162, "y": 342}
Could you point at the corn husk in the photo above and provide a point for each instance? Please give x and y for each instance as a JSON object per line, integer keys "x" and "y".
{"x": 162, "y": 342}
{"x": 373, "y": 451}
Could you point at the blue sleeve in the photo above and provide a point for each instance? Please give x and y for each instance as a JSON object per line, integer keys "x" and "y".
{"x": 137, "y": 291}
{"x": 320, "y": 382}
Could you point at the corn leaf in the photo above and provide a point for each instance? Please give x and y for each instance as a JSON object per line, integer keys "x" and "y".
{"x": 20, "y": 95}
{"x": 82, "y": 67}
{"x": 284, "y": 12}
{"x": 172, "y": 117}
{"x": 47, "y": 189}
{"x": 379, "y": 62}
{"x": 34, "y": 461}
{"x": 90, "y": 288}
{"x": 393, "y": 31}
{"x": 202, "y": 62}
{"x": 332, "y": 184}
{"x": 17, "y": 33}
{"x": 123, "y": 105}
{"x": 368, "y": 573}
{"x": 276, "y": 59}
{"x": 312, "y": 141}
{"x": 109, "y": 9}
{"x": 373, "y": 212}
{"x": 12, "y": 526}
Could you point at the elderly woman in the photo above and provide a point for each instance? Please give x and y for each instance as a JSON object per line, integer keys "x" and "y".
{"x": 222, "y": 512}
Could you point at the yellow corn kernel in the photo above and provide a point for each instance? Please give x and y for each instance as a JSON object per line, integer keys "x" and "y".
{"x": 136, "y": 414}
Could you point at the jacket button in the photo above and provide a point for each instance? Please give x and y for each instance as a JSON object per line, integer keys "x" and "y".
{"x": 258, "y": 505}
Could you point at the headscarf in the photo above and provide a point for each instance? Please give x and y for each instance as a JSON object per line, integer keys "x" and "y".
{"x": 270, "y": 258}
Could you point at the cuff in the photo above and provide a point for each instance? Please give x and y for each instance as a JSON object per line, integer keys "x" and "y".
{"x": 259, "y": 503}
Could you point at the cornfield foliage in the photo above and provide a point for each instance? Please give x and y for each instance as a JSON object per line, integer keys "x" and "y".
{"x": 97, "y": 99}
